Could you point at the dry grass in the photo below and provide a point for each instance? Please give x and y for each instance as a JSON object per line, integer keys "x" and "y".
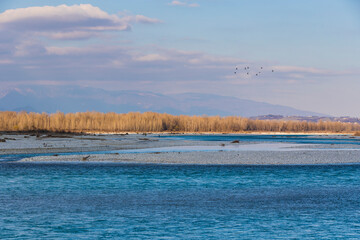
{"x": 156, "y": 122}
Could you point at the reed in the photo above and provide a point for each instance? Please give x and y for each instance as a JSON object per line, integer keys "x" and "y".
{"x": 157, "y": 122}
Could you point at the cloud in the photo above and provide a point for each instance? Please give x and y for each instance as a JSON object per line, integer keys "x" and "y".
{"x": 296, "y": 69}
{"x": 74, "y": 35}
{"x": 297, "y": 72}
{"x": 6, "y": 61}
{"x": 141, "y": 19}
{"x": 29, "y": 47}
{"x": 24, "y": 31}
{"x": 62, "y": 17}
{"x": 185, "y": 4}
{"x": 122, "y": 64}
{"x": 26, "y": 55}
{"x": 146, "y": 57}
{"x": 67, "y": 22}
{"x": 151, "y": 57}
{"x": 62, "y": 51}
{"x": 150, "y": 68}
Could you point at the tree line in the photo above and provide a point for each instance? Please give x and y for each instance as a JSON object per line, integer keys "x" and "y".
{"x": 157, "y": 122}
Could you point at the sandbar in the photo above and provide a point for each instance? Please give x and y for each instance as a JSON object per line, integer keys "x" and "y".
{"x": 154, "y": 149}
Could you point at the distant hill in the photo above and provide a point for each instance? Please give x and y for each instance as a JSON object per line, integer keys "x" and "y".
{"x": 345, "y": 119}
{"x": 80, "y": 99}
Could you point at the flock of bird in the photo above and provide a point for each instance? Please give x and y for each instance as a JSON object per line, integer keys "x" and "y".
{"x": 248, "y": 72}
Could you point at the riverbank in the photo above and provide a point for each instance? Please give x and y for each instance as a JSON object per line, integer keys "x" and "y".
{"x": 184, "y": 149}
{"x": 219, "y": 157}
{"x": 64, "y": 143}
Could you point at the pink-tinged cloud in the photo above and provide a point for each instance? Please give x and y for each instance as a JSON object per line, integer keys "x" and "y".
{"x": 151, "y": 58}
{"x": 67, "y": 22}
{"x": 109, "y": 51}
{"x": 295, "y": 69}
{"x": 185, "y": 4}
{"x": 73, "y": 35}
{"x": 6, "y": 61}
{"x": 193, "y": 5}
{"x": 63, "y": 17}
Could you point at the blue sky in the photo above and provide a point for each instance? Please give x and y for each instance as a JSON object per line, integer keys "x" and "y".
{"x": 167, "y": 46}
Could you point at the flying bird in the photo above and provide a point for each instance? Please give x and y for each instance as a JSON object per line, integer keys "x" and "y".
{"x": 247, "y": 71}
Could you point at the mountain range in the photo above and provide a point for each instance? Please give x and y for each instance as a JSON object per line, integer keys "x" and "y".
{"x": 66, "y": 99}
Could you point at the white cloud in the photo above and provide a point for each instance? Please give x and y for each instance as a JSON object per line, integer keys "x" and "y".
{"x": 296, "y": 69}
{"x": 23, "y": 31}
{"x": 151, "y": 57}
{"x": 67, "y": 22}
{"x": 63, "y": 17}
{"x": 83, "y": 51}
{"x": 70, "y": 35}
{"x": 185, "y": 4}
{"x": 177, "y": 3}
{"x": 144, "y": 19}
{"x": 61, "y": 51}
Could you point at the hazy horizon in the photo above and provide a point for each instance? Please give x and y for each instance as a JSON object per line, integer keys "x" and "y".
{"x": 308, "y": 52}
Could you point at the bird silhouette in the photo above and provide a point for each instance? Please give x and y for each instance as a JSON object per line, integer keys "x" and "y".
{"x": 247, "y": 71}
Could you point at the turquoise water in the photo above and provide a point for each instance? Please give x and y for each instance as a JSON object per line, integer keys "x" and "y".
{"x": 243, "y": 138}
{"x": 301, "y": 139}
{"x": 124, "y": 201}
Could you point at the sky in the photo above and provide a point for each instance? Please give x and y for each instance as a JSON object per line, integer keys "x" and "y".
{"x": 308, "y": 52}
